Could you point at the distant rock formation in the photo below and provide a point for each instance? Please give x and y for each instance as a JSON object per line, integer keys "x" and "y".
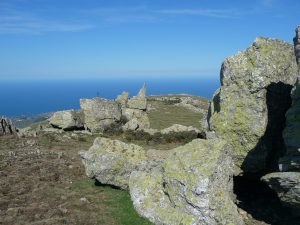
{"x": 68, "y": 120}
{"x": 134, "y": 113}
{"x": 100, "y": 114}
{"x": 248, "y": 110}
{"x": 123, "y": 99}
{"x": 177, "y": 128}
{"x": 139, "y": 101}
{"x": 138, "y": 123}
{"x": 7, "y": 127}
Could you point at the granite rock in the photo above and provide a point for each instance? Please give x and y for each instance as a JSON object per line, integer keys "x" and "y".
{"x": 248, "y": 110}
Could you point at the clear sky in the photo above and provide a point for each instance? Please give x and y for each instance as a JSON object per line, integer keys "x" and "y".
{"x": 73, "y": 39}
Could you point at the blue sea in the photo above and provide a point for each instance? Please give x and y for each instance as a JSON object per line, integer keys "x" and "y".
{"x": 35, "y": 97}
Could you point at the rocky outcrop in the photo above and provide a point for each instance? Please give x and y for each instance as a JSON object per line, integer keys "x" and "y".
{"x": 112, "y": 161}
{"x": 177, "y": 128}
{"x": 248, "y": 110}
{"x": 100, "y": 114}
{"x": 67, "y": 120}
{"x": 129, "y": 114}
{"x": 287, "y": 187}
{"x": 287, "y": 184}
{"x": 138, "y": 123}
{"x": 7, "y": 127}
{"x": 139, "y": 101}
{"x": 291, "y": 134}
{"x": 123, "y": 99}
{"x": 192, "y": 187}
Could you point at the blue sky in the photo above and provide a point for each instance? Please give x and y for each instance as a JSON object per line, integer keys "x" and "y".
{"x": 81, "y": 39}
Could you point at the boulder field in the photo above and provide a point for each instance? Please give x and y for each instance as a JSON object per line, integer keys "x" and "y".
{"x": 99, "y": 114}
{"x": 253, "y": 128}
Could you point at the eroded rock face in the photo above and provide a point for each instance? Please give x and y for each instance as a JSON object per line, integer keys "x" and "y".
{"x": 67, "y": 120}
{"x": 248, "y": 110}
{"x": 287, "y": 187}
{"x": 139, "y": 101}
{"x": 112, "y": 161}
{"x": 192, "y": 187}
{"x": 100, "y": 113}
{"x": 6, "y": 127}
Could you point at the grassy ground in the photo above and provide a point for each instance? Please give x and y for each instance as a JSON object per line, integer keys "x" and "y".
{"x": 166, "y": 115}
{"x": 43, "y": 182}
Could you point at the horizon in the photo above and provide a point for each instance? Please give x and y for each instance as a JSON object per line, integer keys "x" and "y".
{"x": 56, "y": 40}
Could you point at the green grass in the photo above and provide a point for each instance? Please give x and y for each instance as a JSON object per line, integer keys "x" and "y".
{"x": 166, "y": 115}
{"x": 118, "y": 203}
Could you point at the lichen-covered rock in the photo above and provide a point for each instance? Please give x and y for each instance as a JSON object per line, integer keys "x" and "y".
{"x": 291, "y": 134}
{"x": 123, "y": 98}
{"x": 139, "y": 123}
{"x": 67, "y": 120}
{"x": 287, "y": 187}
{"x": 100, "y": 113}
{"x": 139, "y": 101}
{"x": 193, "y": 187}
{"x": 177, "y": 128}
{"x": 7, "y": 127}
{"x": 112, "y": 161}
{"x": 248, "y": 110}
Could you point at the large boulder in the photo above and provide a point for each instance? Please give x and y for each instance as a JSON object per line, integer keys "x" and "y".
{"x": 139, "y": 101}
{"x": 100, "y": 114}
{"x": 193, "y": 187}
{"x": 248, "y": 110}
{"x": 67, "y": 120}
{"x": 7, "y": 127}
{"x": 287, "y": 187}
{"x": 112, "y": 161}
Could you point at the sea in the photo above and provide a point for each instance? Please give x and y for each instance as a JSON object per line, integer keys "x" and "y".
{"x": 33, "y": 97}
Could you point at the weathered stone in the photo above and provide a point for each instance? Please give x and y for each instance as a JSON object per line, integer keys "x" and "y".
{"x": 100, "y": 113}
{"x": 248, "y": 110}
{"x": 177, "y": 128}
{"x": 291, "y": 134}
{"x": 287, "y": 187}
{"x": 67, "y": 120}
{"x": 139, "y": 101}
{"x": 123, "y": 99}
{"x": 129, "y": 114}
{"x": 138, "y": 123}
{"x": 7, "y": 127}
{"x": 193, "y": 187}
{"x": 112, "y": 161}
